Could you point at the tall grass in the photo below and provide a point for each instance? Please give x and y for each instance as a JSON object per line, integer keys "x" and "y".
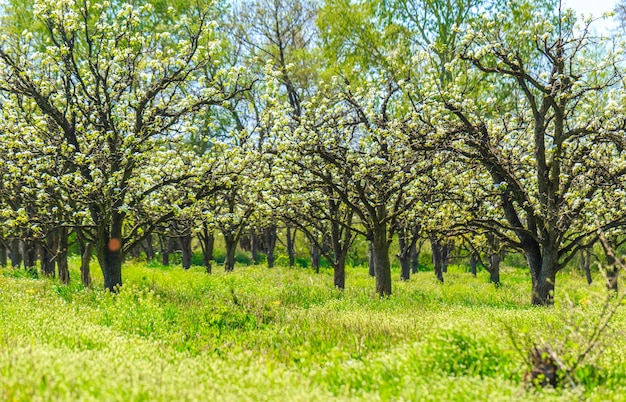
{"x": 285, "y": 334}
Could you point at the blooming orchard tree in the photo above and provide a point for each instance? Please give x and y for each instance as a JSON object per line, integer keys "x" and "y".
{"x": 351, "y": 144}
{"x": 117, "y": 82}
{"x": 545, "y": 121}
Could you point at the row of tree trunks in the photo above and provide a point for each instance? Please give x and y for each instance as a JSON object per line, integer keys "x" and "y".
{"x": 52, "y": 253}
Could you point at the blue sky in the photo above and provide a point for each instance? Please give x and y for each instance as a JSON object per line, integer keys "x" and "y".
{"x": 595, "y": 7}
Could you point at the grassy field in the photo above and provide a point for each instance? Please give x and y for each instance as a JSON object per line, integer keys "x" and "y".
{"x": 285, "y": 334}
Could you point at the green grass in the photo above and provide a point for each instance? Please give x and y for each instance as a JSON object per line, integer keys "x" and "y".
{"x": 285, "y": 334}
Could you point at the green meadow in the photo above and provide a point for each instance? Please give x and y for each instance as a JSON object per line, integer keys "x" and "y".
{"x": 285, "y": 334}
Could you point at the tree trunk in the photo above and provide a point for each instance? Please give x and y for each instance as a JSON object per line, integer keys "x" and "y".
{"x": 339, "y": 274}
{"x": 291, "y": 249}
{"x": 110, "y": 252}
{"x": 371, "y": 265}
{"x": 61, "y": 255}
{"x": 494, "y": 269}
{"x": 611, "y": 271}
{"x": 405, "y": 258}
{"x": 164, "y": 242}
{"x": 30, "y": 252}
{"x": 85, "y": 272}
{"x": 207, "y": 242}
{"x": 407, "y": 240}
{"x": 316, "y": 257}
{"x": 254, "y": 249}
{"x": 382, "y": 266}
{"x": 585, "y": 265}
{"x": 185, "y": 247}
{"x": 47, "y": 256}
{"x": 437, "y": 257}
{"x": 231, "y": 248}
{"x": 3, "y": 253}
{"x": 110, "y": 262}
{"x": 473, "y": 264}
{"x": 269, "y": 241}
{"x": 149, "y": 248}
{"x": 445, "y": 254}
{"x": 15, "y": 253}
{"x": 415, "y": 256}
{"x": 543, "y": 267}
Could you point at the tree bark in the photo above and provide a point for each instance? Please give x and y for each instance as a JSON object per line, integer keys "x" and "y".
{"x": 185, "y": 247}
{"x": 291, "y": 249}
{"x": 473, "y": 264}
{"x": 543, "y": 267}
{"x": 164, "y": 241}
{"x": 445, "y": 254}
{"x": 316, "y": 257}
{"x": 3, "y": 253}
{"x": 407, "y": 240}
{"x": 269, "y": 241}
{"x": 149, "y": 248}
{"x": 382, "y": 266}
{"x": 585, "y": 265}
{"x": 207, "y": 242}
{"x": 15, "y": 253}
{"x": 47, "y": 256}
{"x": 110, "y": 252}
{"x": 494, "y": 268}
{"x": 339, "y": 272}
{"x": 254, "y": 249}
{"x": 372, "y": 263}
{"x": 437, "y": 257}
{"x": 611, "y": 272}
{"x": 29, "y": 247}
{"x": 231, "y": 248}
{"x": 61, "y": 255}
{"x": 415, "y": 256}
{"x": 85, "y": 272}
